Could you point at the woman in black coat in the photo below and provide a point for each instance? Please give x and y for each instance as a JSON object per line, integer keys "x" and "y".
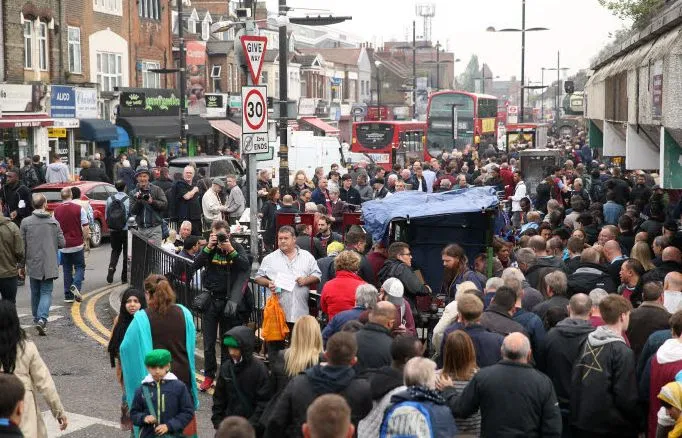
{"x": 269, "y": 218}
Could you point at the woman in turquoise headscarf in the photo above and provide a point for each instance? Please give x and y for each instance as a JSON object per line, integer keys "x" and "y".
{"x": 164, "y": 324}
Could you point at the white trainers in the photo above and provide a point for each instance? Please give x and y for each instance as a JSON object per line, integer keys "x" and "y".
{"x": 76, "y": 293}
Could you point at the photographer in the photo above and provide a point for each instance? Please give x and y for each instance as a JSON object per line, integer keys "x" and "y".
{"x": 148, "y": 203}
{"x": 226, "y": 266}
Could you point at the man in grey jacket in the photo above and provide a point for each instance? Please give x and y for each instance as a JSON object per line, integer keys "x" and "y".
{"x": 42, "y": 237}
{"x": 148, "y": 202}
{"x": 236, "y": 204}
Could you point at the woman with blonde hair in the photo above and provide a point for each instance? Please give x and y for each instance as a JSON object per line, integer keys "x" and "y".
{"x": 164, "y": 324}
{"x": 303, "y": 352}
{"x": 642, "y": 253}
{"x": 459, "y": 367}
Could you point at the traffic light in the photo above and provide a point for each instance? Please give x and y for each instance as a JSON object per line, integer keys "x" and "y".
{"x": 569, "y": 87}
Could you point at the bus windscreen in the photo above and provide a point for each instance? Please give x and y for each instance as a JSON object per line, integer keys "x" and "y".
{"x": 374, "y": 135}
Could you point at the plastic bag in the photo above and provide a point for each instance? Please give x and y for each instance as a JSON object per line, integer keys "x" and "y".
{"x": 275, "y": 326}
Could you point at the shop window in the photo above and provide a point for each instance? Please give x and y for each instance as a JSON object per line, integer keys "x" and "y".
{"x": 149, "y": 78}
{"x": 74, "y": 49}
{"x": 28, "y": 44}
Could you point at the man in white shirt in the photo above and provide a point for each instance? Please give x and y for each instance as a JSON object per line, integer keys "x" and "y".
{"x": 289, "y": 267}
{"x": 520, "y": 192}
{"x": 210, "y": 203}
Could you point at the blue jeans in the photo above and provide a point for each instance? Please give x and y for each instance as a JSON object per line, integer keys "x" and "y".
{"x": 70, "y": 261}
{"x": 41, "y": 298}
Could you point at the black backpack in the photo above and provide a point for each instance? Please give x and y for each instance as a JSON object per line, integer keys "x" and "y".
{"x": 116, "y": 213}
{"x": 29, "y": 176}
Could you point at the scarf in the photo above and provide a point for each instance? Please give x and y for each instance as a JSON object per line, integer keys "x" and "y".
{"x": 124, "y": 320}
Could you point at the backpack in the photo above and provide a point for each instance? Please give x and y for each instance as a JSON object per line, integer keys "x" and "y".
{"x": 116, "y": 213}
{"x": 406, "y": 419}
{"x": 29, "y": 176}
{"x": 598, "y": 194}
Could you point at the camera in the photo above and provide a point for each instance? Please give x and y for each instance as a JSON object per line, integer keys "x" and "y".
{"x": 143, "y": 195}
{"x": 222, "y": 237}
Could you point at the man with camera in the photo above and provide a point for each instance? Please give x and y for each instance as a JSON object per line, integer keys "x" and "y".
{"x": 148, "y": 204}
{"x": 226, "y": 264}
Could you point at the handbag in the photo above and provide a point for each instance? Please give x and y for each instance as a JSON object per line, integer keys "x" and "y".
{"x": 275, "y": 326}
{"x": 201, "y": 301}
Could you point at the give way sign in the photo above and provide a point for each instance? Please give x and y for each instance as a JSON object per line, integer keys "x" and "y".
{"x": 254, "y": 51}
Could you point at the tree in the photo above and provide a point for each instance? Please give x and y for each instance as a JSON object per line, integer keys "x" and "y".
{"x": 635, "y": 10}
{"x": 472, "y": 73}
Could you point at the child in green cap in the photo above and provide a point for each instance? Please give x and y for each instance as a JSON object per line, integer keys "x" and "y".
{"x": 162, "y": 405}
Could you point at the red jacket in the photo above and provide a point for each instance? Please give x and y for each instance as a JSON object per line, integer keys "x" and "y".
{"x": 664, "y": 367}
{"x": 339, "y": 294}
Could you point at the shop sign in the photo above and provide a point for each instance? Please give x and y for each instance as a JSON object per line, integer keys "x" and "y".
{"x": 196, "y": 59}
{"x": 215, "y": 105}
{"x": 67, "y": 123}
{"x": 16, "y": 98}
{"x": 144, "y": 102}
{"x": 62, "y": 102}
{"x": 86, "y": 103}
{"x": 56, "y": 132}
{"x": 307, "y": 106}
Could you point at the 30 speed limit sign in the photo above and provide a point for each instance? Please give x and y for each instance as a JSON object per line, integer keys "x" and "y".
{"x": 255, "y": 120}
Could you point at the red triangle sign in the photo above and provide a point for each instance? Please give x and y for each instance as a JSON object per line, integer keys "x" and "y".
{"x": 254, "y": 51}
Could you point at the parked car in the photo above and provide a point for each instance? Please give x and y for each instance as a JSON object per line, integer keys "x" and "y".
{"x": 95, "y": 192}
{"x": 217, "y": 166}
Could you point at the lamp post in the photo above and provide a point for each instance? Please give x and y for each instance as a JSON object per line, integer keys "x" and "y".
{"x": 414, "y": 49}
{"x": 558, "y": 70}
{"x": 542, "y": 96}
{"x": 183, "y": 110}
{"x": 377, "y": 64}
{"x": 438, "y": 63}
{"x": 523, "y": 31}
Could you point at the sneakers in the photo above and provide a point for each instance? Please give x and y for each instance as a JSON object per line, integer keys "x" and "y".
{"x": 206, "y": 384}
{"x": 68, "y": 300}
{"x": 76, "y": 293}
{"x": 110, "y": 275}
{"x": 41, "y": 327}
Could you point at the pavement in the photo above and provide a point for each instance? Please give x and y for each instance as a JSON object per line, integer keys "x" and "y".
{"x": 75, "y": 352}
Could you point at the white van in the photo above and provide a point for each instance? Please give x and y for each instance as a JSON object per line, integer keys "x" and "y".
{"x": 306, "y": 152}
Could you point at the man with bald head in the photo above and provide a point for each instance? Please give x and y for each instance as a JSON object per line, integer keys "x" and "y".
{"x": 671, "y": 285}
{"x": 590, "y": 275}
{"x": 614, "y": 258}
{"x": 374, "y": 339}
{"x": 514, "y": 398}
{"x": 671, "y": 262}
{"x": 562, "y": 348}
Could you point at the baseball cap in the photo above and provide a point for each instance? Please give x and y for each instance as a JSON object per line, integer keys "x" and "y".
{"x": 219, "y": 182}
{"x": 394, "y": 291}
{"x": 140, "y": 170}
{"x": 334, "y": 248}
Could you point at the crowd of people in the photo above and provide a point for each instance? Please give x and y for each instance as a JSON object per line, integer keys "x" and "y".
{"x": 573, "y": 328}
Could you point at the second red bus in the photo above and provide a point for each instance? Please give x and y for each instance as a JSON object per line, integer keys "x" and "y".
{"x": 389, "y": 142}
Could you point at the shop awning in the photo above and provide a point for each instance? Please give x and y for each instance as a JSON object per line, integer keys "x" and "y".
{"x": 228, "y": 128}
{"x": 97, "y": 130}
{"x": 25, "y": 120}
{"x": 151, "y": 127}
{"x": 198, "y": 126}
{"x": 323, "y": 126}
{"x": 122, "y": 139}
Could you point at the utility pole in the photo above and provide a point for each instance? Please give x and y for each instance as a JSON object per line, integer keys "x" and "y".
{"x": 414, "y": 69}
{"x": 283, "y": 153}
{"x": 183, "y": 80}
{"x": 437, "y": 65}
{"x": 542, "y": 95}
{"x": 523, "y": 58}
{"x": 558, "y": 85}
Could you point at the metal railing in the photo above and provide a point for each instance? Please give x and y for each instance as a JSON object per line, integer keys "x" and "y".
{"x": 147, "y": 258}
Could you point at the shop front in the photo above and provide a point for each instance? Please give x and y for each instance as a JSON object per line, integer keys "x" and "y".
{"x": 23, "y": 122}
{"x": 151, "y": 118}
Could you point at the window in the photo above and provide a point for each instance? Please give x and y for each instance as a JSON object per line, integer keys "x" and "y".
{"x": 215, "y": 71}
{"x": 113, "y": 7}
{"x": 204, "y": 30}
{"x": 28, "y": 44}
{"x": 148, "y": 9}
{"x": 42, "y": 45}
{"x": 192, "y": 21}
{"x": 74, "y": 49}
{"x": 109, "y": 71}
{"x": 150, "y": 79}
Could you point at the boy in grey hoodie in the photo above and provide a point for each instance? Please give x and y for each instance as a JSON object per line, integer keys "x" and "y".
{"x": 57, "y": 172}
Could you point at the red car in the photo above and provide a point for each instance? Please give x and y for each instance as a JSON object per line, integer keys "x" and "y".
{"x": 95, "y": 192}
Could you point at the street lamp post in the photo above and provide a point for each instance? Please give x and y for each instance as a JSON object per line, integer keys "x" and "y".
{"x": 523, "y": 31}
{"x": 438, "y": 63}
{"x": 542, "y": 95}
{"x": 557, "y": 102}
{"x": 378, "y": 81}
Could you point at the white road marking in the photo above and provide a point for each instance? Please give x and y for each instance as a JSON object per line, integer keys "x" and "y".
{"x": 76, "y": 423}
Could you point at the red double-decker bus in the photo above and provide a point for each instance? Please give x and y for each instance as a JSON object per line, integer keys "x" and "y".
{"x": 476, "y": 119}
{"x": 389, "y": 142}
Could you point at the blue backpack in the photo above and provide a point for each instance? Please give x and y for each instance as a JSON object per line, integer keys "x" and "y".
{"x": 406, "y": 419}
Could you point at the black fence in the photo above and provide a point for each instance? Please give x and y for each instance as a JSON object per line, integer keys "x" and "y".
{"x": 147, "y": 258}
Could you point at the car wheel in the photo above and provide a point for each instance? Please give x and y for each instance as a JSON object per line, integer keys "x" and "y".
{"x": 96, "y": 235}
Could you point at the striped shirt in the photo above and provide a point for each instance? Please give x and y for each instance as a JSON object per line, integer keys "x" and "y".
{"x": 470, "y": 426}
{"x": 294, "y": 303}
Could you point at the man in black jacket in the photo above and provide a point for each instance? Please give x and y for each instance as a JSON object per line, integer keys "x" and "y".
{"x": 348, "y": 193}
{"x": 603, "y": 385}
{"x": 374, "y": 339}
{"x": 93, "y": 173}
{"x": 399, "y": 265}
{"x": 306, "y": 241}
{"x": 243, "y": 387}
{"x": 590, "y": 275}
{"x": 498, "y": 316}
{"x": 514, "y": 398}
{"x": 562, "y": 348}
{"x": 15, "y": 198}
{"x": 336, "y": 377}
{"x": 543, "y": 260}
{"x": 671, "y": 262}
{"x": 184, "y": 201}
{"x": 648, "y": 318}
{"x": 556, "y": 293}
{"x": 227, "y": 268}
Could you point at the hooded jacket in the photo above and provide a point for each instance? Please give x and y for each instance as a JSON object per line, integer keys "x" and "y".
{"x": 42, "y": 237}
{"x": 559, "y": 352}
{"x": 289, "y": 412}
{"x": 604, "y": 387}
{"x": 665, "y": 364}
{"x": 177, "y": 407}
{"x": 11, "y": 248}
{"x": 413, "y": 285}
{"x": 498, "y": 320}
{"x": 374, "y": 347}
{"x": 242, "y": 388}
{"x": 57, "y": 173}
{"x": 17, "y": 197}
{"x": 384, "y": 383}
{"x": 590, "y": 276}
{"x": 533, "y": 273}
{"x": 486, "y": 343}
{"x": 442, "y": 422}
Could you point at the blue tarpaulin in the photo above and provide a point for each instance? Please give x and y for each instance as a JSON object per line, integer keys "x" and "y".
{"x": 378, "y": 214}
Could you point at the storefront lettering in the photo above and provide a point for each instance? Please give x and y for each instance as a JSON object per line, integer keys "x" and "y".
{"x": 162, "y": 103}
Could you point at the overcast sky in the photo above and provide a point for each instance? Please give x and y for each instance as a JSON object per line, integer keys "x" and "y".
{"x": 578, "y": 28}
